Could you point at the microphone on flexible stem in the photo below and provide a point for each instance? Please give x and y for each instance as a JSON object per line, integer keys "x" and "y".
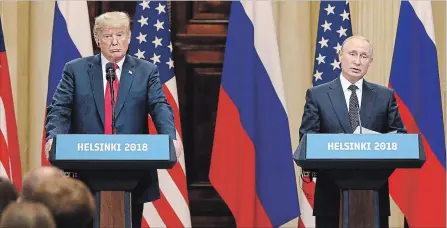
{"x": 360, "y": 121}
{"x": 110, "y": 77}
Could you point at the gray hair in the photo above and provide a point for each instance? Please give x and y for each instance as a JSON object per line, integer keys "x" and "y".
{"x": 114, "y": 19}
{"x": 359, "y": 37}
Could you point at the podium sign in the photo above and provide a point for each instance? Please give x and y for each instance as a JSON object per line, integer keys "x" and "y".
{"x": 125, "y": 152}
{"x": 110, "y": 147}
{"x": 112, "y": 166}
{"x": 360, "y": 151}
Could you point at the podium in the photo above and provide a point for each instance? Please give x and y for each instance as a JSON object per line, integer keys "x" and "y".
{"x": 112, "y": 166}
{"x": 360, "y": 163}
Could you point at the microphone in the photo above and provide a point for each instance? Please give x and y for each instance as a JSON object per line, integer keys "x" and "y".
{"x": 110, "y": 72}
{"x": 110, "y": 77}
{"x": 360, "y": 120}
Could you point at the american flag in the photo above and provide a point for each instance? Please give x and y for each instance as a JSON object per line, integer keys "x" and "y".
{"x": 151, "y": 41}
{"x": 10, "y": 165}
{"x": 334, "y": 26}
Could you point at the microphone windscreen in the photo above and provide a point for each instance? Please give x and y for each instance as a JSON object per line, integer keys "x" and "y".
{"x": 110, "y": 66}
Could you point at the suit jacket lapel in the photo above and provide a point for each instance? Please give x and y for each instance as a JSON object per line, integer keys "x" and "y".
{"x": 126, "y": 79}
{"x": 95, "y": 73}
{"x": 368, "y": 103}
{"x": 338, "y": 101}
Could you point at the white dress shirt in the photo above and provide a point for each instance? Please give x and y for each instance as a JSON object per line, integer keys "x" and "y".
{"x": 104, "y": 61}
{"x": 345, "y": 84}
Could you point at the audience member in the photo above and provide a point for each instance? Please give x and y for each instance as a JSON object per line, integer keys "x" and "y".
{"x": 37, "y": 176}
{"x": 27, "y": 215}
{"x": 8, "y": 193}
{"x": 69, "y": 200}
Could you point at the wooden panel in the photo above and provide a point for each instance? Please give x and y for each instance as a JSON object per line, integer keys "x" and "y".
{"x": 126, "y": 6}
{"x": 214, "y": 29}
{"x": 94, "y": 10}
{"x": 212, "y": 10}
{"x": 201, "y": 17}
{"x": 200, "y": 30}
{"x": 205, "y": 95}
{"x": 361, "y": 208}
{"x": 186, "y": 41}
{"x": 207, "y": 208}
{"x": 112, "y": 209}
{"x": 199, "y": 57}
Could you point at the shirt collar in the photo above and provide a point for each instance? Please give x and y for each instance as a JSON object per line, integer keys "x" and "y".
{"x": 104, "y": 61}
{"x": 345, "y": 83}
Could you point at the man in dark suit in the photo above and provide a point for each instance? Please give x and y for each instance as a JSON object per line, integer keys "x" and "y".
{"x": 334, "y": 107}
{"x": 82, "y": 101}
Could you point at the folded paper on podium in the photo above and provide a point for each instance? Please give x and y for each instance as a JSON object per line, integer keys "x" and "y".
{"x": 363, "y": 130}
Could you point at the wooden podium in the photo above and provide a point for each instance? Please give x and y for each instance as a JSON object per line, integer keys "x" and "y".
{"x": 112, "y": 166}
{"x": 359, "y": 164}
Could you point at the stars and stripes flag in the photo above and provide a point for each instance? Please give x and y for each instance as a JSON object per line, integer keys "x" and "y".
{"x": 334, "y": 26}
{"x": 151, "y": 41}
{"x": 10, "y": 165}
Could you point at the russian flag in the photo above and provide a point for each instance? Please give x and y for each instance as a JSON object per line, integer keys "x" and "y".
{"x": 71, "y": 39}
{"x": 420, "y": 193}
{"x": 252, "y": 166}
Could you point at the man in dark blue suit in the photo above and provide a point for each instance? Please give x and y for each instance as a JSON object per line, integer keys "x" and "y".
{"x": 82, "y": 101}
{"x": 334, "y": 107}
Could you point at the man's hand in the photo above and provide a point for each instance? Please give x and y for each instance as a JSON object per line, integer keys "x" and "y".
{"x": 48, "y": 147}
{"x": 178, "y": 148}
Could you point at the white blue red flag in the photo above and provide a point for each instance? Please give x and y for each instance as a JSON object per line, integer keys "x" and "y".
{"x": 71, "y": 39}
{"x": 252, "y": 166}
{"x": 419, "y": 193}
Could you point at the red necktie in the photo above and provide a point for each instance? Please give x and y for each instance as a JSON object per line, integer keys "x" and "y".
{"x": 108, "y": 104}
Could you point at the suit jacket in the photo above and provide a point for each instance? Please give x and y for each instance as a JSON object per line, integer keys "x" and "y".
{"x": 78, "y": 106}
{"x": 326, "y": 111}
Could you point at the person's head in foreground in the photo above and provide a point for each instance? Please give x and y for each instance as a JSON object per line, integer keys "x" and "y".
{"x": 27, "y": 215}
{"x": 69, "y": 200}
{"x": 8, "y": 193}
{"x": 37, "y": 176}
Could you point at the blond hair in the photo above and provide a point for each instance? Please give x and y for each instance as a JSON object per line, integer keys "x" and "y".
{"x": 30, "y": 215}
{"x": 114, "y": 19}
{"x": 69, "y": 201}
